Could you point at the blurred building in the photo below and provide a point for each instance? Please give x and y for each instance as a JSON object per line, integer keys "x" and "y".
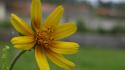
{"x": 111, "y": 9}
{"x": 2, "y": 11}
{"x": 74, "y": 10}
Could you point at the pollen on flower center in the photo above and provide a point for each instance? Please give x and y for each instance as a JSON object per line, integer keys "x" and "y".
{"x": 43, "y": 38}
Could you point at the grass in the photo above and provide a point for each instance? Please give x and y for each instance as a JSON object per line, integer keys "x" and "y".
{"x": 86, "y": 59}
{"x": 101, "y": 59}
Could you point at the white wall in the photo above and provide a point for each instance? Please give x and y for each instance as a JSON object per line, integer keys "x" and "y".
{"x": 2, "y": 11}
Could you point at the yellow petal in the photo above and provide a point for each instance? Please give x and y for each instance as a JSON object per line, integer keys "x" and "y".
{"x": 60, "y": 60}
{"x": 65, "y": 30}
{"x": 20, "y": 25}
{"x": 26, "y": 46}
{"x": 41, "y": 59}
{"x": 36, "y": 14}
{"x": 54, "y": 17}
{"x": 22, "y": 40}
{"x": 65, "y": 47}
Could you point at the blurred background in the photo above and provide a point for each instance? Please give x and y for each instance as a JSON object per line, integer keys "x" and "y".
{"x": 101, "y": 32}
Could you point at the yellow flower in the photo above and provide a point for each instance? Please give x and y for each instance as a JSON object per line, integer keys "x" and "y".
{"x": 44, "y": 38}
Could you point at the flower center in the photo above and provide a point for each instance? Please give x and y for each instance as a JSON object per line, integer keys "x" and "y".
{"x": 43, "y": 38}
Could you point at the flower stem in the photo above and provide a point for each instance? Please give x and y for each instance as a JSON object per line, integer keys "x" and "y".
{"x": 15, "y": 59}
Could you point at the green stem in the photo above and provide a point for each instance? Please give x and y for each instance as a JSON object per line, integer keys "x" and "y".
{"x": 15, "y": 59}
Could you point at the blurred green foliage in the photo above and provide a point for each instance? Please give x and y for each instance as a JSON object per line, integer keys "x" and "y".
{"x": 102, "y": 31}
{"x": 4, "y": 62}
{"x": 118, "y": 29}
{"x": 53, "y": 1}
{"x": 81, "y": 26}
{"x": 60, "y": 1}
{"x": 5, "y": 24}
